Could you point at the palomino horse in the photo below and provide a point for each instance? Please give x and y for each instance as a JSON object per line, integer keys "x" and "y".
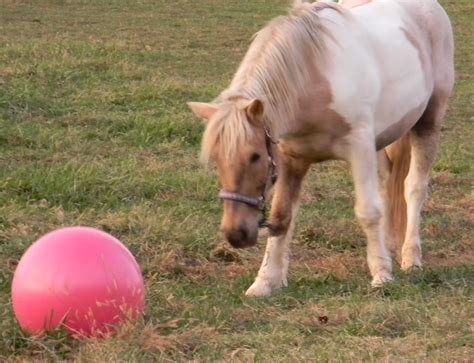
{"x": 366, "y": 84}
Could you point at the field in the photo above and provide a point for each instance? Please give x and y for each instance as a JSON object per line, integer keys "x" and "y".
{"x": 94, "y": 130}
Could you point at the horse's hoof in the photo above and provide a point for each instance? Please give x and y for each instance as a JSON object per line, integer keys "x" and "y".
{"x": 411, "y": 267}
{"x": 411, "y": 259}
{"x": 260, "y": 289}
{"x": 411, "y": 262}
{"x": 381, "y": 278}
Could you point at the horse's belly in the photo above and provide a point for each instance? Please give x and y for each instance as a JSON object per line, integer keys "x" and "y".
{"x": 401, "y": 102}
{"x": 404, "y": 94}
{"x": 397, "y": 129}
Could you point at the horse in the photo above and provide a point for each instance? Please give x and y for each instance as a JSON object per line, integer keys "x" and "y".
{"x": 365, "y": 84}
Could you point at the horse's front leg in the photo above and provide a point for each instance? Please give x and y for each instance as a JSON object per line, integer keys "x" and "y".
{"x": 274, "y": 268}
{"x": 368, "y": 208}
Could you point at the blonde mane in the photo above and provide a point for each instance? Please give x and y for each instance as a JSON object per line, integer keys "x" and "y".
{"x": 275, "y": 70}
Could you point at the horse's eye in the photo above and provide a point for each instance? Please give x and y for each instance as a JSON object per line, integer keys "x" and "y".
{"x": 254, "y": 158}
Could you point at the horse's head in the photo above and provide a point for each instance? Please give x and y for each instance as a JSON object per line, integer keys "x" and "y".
{"x": 237, "y": 142}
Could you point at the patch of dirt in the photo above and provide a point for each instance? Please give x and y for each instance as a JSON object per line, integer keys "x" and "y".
{"x": 340, "y": 264}
{"x": 222, "y": 252}
{"x": 464, "y": 255}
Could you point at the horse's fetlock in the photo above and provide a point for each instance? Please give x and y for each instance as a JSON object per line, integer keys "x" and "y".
{"x": 369, "y": 217}
{"x": 420, "y": 188}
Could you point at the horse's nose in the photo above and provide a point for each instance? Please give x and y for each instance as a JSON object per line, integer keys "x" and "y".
{"x": 239, "y": 237}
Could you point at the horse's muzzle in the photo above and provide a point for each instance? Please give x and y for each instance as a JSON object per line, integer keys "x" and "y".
{"x": 240, "y": 237}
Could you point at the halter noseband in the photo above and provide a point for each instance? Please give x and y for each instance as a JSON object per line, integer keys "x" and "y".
{"x": 258, "y": 202}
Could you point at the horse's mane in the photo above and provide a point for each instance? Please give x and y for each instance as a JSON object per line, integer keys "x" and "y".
{"x": 275, "y": 71}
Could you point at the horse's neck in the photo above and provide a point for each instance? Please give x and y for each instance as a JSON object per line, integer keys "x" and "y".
{"x": 279, "y": 75}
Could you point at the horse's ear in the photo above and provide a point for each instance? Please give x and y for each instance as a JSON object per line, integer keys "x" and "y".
{"x": 203, "y": 110}
{"x": 254, "y": 110}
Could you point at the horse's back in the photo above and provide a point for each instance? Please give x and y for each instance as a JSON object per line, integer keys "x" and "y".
{"x": 422, "y": 25}
{"x": 431, "y": 20}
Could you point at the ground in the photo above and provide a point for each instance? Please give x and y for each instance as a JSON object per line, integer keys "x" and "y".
{"x": 94, "y": 130}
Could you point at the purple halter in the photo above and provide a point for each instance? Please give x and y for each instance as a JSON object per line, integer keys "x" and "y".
{"x": 258, "y": 202}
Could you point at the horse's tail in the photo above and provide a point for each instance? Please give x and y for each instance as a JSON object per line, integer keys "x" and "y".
{"x": 399, "y": 154}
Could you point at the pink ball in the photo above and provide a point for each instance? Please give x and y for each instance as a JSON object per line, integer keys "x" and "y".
{"x": 80, "y": 277}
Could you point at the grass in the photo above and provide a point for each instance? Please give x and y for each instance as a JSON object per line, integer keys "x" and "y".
{"x": 94, "y": 130}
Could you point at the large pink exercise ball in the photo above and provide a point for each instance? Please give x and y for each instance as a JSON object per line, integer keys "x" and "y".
{"x": 79, "y": 278}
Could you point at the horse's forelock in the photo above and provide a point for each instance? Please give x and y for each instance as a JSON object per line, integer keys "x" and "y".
{"x": 226, "y": 132}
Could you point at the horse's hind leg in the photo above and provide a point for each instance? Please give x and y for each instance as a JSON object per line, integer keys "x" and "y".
{"x": 424, "y": 141}
{"x": 274, "y": 268}
{"x": 384, "y": 171}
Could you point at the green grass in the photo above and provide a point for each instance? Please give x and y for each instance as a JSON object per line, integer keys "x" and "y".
{"x": 94, "y": 130}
